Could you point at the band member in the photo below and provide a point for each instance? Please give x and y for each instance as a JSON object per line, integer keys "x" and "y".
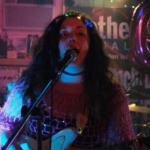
{"x": 87, "y": 79}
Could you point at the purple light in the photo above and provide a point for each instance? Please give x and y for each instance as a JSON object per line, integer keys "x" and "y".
{"x": 147, "y": 40}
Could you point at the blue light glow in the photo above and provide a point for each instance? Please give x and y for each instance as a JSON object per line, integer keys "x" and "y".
{"x": 25, "y": 146}
{"x": 140, "y": 13}
{"x": 88, "y": 23}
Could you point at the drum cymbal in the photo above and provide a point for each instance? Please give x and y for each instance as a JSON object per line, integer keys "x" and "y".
{"x": 141, "y": 109}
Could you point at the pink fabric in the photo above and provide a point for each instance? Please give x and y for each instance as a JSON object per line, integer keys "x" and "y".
{"x": 64, "y": 105}
{"x": 67, "y": 105}
{"x": 122, "y": 130}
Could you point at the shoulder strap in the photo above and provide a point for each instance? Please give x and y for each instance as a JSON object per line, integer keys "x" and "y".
{"x": 82, "y": 116}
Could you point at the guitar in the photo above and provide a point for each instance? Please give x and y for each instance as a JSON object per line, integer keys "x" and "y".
{"x": 60, "y": 141}
{"x": 64, "y": 139}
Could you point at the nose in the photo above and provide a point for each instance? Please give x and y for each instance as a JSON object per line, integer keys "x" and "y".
{"x": 72, "y": 38}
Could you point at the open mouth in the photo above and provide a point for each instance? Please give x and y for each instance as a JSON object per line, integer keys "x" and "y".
{"x": 76, "y": 50}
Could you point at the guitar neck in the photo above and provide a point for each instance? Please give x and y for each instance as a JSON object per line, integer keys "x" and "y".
{"x": 125, "y": 145}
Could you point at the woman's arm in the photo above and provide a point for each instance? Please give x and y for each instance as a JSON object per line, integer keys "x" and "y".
{"x": 10, "y": 114}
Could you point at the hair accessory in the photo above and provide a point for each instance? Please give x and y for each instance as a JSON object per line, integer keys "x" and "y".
{"x": 79, "y": 17}
{"x": 68, "y": 14}
{"x": 73, "y": 74}
{"x": 88, "y": 23}
{"x": 72, "y": 13}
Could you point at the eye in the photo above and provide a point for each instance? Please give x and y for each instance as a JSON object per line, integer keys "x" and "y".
{"x": 63, "y": 34}
{"x": 81, "y": 34}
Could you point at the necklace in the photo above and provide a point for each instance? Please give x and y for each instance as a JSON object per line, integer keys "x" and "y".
{"x": 73, "y": 74}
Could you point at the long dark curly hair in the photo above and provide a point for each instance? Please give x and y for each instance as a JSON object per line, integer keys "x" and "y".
{"x": 98, "y": 79}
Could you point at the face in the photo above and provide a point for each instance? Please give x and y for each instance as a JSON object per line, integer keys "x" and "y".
{"x": 74, "y": 35}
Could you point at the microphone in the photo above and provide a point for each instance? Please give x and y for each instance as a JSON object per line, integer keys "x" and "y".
{"x": 70, "y": 55}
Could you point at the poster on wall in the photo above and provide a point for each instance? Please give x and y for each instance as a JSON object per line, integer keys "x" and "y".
{"x": 32, "y": 41}
{"x": 16, "y": 47}
{"x": 113, "y": 27}
{"x": 12, "y": 46}
{"x": 3, "y": 44}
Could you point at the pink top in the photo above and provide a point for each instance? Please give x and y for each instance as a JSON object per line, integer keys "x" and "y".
{"x": 65, "y": 109}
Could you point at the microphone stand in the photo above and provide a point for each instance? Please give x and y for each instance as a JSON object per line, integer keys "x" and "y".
{"x": 68, "y": 58}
